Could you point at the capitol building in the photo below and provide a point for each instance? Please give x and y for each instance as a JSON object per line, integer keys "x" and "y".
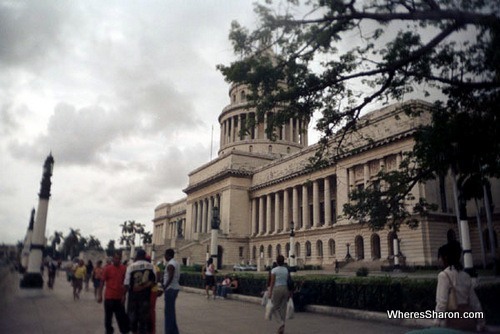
{"x": 260, "y": 182}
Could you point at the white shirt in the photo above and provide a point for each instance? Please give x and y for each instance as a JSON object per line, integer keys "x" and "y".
{"x": 463, "y": 287}
{"x": 177, "y": 274}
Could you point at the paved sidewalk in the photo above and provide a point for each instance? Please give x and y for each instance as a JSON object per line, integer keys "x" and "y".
{"x": 55, "y": 312}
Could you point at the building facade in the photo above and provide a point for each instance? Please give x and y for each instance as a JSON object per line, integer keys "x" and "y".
{"x": 261, "y": 184}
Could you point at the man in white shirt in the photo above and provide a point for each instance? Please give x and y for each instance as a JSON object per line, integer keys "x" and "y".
{"x": 171, "y": 287}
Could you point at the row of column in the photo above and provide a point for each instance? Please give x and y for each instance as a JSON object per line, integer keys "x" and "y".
{"x": 202, "y": 213}
{"x": 272, "y": 213}
{"x": 295, "y": 131}
{"x": 353, "y": 180}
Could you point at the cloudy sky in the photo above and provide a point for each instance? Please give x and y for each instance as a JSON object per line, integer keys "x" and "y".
{"x": 124, "y": 95}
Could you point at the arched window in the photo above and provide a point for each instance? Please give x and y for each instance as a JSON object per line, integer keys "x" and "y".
{"x": 359, "y": 248}
{"x": 486, "y": 238}
{"x": 261, "y": 251}
{"x": 319, "y": 248}
{"x": 270, "y": 251}
{"x": 270, "y": 149}
{"x": 250, "y": 148}
{"x": 287, "y": 249}
{"x": 308, "y": 248}
{"x": 288, "y": 149}
{"x": 278, "y": 250}
{"x": 297, "y": 249}
{"x": 254, "y": 252}
{"x": 450, "y": 235}
{"x": 243, "y": 96}
{"x": 375, "y": 243}
{"x": 331, "y": 247}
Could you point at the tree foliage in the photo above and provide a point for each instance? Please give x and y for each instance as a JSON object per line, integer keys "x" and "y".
{"x": 450, "y": 45}
{"x": 344, "y": 55}
{"x": 131, "y": 229}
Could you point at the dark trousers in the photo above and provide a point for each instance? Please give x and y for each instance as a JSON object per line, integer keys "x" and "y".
{"x": 170, "y": 319}
{"x": 115, "y": 306}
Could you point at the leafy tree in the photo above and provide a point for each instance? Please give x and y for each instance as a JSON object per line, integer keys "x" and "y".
{"x": 400, "y": 44}
{"x": 94, "y": 243}
{"x": 147, "y": 237}
{"x": 344, "y": 55}
{"x": 71, "y": 243}
{"x": 131, "y": 229}
{"x": 56, "y": 240}
{"x": 111, "y": 249}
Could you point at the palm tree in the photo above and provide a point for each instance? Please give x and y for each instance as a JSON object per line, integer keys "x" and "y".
{"x": 56, "y": 239}
{"x": 94, "y": 243}
{"x": 110, "y": 249}
{"x": 70, "y": 245}
{"x": 147, "y": 237}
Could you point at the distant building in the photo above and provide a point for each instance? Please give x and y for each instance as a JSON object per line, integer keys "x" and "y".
{"x": 261, "y": 185}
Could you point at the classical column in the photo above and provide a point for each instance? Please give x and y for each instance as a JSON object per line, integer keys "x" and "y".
{"x": 193, "y": 219}
{"x": 316, "y": 217}
{"x": 210, "y": 212}
{"x": 290, "y": 130}
{"x": 366, "y": 174}
{"x": 269, "y": 227}
{"x": 204, "y": 216}
{"x": 328, "y": 202}
{"x": 295, "y": 206}
{"x": 286, "y": 210}
{"x": 305, "y": 207}
{"x": 255, "y": 227}
{"x": 261, "y": 215}
{"x": 33, "y": 277}
{"x": 306, "y": 135}
{"x": 350, "y": 179}
{"x": 277, "y": 216}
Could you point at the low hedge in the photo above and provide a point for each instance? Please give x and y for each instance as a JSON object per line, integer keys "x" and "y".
{"x": 365, "y": 293}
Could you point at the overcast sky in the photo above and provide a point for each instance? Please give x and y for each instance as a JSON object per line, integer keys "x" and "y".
{"x": 124, "y": 94}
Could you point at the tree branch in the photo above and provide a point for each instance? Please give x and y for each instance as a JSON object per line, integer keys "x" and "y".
{"x": 459, "y": 17}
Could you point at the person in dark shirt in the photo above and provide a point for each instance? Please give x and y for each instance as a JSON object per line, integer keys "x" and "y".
{"x": 139, "y": 279}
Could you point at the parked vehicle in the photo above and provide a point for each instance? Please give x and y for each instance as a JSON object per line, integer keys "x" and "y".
{"x": 244, "y": 267}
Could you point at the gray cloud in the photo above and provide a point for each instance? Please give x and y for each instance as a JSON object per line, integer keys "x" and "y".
{"x": 122, "y": 92}
{"x": 32, "y": 30}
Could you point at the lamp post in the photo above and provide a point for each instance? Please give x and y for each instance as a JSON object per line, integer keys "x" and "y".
{"x": 348, "y": 255}
{"x": 292, "y": 261}
{"x": 33, "y": 277}
{"x": 395, "y": 243}
{"x": 260, "y": 261}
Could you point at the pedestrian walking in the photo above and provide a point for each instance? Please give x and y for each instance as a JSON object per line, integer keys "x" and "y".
{"x": 208, "y": 274}
{"x": 96, "y": 278}
{"x": 90, "y": 269}
{"x": 171, "y": 287}
{"x": 139, "y": 279}
{"x": 113, "y": 276}
{"x": 78, "y": 277}
{"x": 279, "y": 291}
{"x": 52, "y": 268}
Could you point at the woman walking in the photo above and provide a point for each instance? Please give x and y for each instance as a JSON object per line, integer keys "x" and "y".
{"x": 208, "y": 274}
{"x": 279, "y": 292}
